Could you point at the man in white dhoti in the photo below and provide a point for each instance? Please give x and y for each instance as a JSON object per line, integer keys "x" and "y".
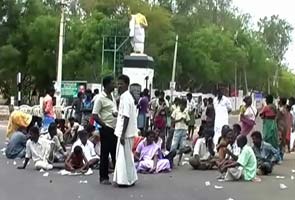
{"x": 126, "y": 129}
{"x": 137, "y": 24}
{"x": 222, "y": 106}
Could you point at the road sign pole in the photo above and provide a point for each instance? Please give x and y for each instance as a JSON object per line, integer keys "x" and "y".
{"x": 19, "y": 81}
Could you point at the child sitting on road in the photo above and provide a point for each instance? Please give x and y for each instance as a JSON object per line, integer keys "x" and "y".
{"x": 88, "y": 148}
{"x": 77, "y": 161}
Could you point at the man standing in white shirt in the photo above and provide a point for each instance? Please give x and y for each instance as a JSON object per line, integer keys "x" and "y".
{"x": 222, "y": 106}
{"x": 104, "y": 113}
{"x": 126, "y": 129}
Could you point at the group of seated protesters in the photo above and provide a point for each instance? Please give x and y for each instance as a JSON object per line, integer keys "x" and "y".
{"x": 49, "y": 147}
{"x": 234, "y": 158}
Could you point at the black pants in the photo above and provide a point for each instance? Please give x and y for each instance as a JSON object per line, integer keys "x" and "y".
{"x": 108, "y": 146}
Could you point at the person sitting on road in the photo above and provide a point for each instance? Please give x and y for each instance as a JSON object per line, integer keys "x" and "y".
{"x": 58, "y": 154}
{"x": 19, "y": 119}
{"x": 61, "y": 129}
{"x": 38, "y": 149}
{"x": 147, "y": 155}
{"x": 16, "y": 147}
{"x": 246, "y": 165}
{"x": 203, "y": 155}
{"x": 166, "y": 155}
{"x": 266, "y": 154}
{"x": 237, "y": 129}
{"x": 223, "y": 142}
{"x": 76, "y": 161}
{"x": 70, "y": 134}
{"x": 232, "y": 151}
{"x": 88, "y": 148}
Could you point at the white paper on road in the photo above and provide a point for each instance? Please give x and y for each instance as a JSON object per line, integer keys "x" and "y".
{"x": 218, "y": 187}
{"x": 185, "y": 163}
{"x": 89, "y": 172}
{"x": 42, "y": 170}
{"x": 230, "y": 199}
{"x": 207, "y": 183}
{"x": 46, "y": 174}
{"x": 83, "y": 182}
{"x": 64, "y": 172}
{"x": 293, "y": 170}
{"x": 280, "y": 177}
{"x": 283, "y": 186}
{"x": 292, "y": 177}
{"x": 14, "y": 162}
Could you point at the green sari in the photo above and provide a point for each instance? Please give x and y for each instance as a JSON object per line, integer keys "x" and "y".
{"x": 270, "y": 132}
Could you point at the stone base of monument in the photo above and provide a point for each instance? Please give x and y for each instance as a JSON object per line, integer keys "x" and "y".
{"x": 140, "y": 69}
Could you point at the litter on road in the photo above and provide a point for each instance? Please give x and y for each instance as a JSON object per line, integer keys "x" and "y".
{"x": 218, "y": 187}
{"x": 283, "y": 186}
{"x": 46, "y": 174}
{"x": 83, "y": 182}
{"x": 280, "y": 177}
{"x": 207, "y": 183}
{"x": 185, "y": 163}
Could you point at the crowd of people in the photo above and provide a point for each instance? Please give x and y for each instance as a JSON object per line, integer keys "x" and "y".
{"x": 126, "y": 136}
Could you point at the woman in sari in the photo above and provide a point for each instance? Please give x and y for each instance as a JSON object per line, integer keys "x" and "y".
{"x": 147, "y": 155}
{"x": 270, "y": 129}
{"x": 247, "y": 116}
{"x": 282, "y": 120}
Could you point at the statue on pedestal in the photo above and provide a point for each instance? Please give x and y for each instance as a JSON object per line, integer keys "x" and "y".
{"x": 137, "y": 25}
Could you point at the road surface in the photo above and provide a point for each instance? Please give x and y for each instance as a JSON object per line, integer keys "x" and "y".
{"x": 181, "y": 184}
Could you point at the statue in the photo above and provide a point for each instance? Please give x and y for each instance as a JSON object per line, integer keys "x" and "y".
{"x": 137, "y": 26}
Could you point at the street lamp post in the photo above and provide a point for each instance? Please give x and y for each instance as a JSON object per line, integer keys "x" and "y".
{"x": 60, "y": 54}
{"x": 172, "y": 83}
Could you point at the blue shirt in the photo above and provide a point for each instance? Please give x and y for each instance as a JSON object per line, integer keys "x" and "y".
{"x": 266, "y": 153}
{"x": 16, "y": 145}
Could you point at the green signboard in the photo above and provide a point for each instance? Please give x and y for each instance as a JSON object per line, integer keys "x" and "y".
{"x": 69, "y": 89}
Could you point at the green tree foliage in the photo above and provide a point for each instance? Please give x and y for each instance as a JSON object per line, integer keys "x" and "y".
{"x": 214, "y": 40}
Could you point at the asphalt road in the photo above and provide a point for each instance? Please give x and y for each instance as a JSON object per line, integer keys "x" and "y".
{"x": 181, "y": 184}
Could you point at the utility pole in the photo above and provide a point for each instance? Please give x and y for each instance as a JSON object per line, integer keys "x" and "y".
{"x": 236, "y": 86}
{"x": 60, "y": 54}
{"x": 172, "y": 83}
{"x": 115, "y": 56}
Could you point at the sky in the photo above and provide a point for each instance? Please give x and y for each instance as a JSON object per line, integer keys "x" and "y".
{"x": 261, "y": 8}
